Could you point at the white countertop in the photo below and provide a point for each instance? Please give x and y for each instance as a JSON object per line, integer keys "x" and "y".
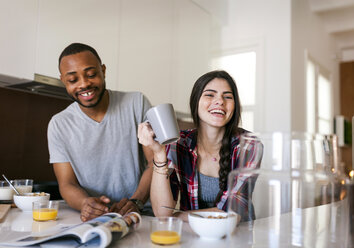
{"x": 311, "y": 227}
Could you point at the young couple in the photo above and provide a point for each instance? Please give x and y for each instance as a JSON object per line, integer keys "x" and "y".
{"x": 101, "y": 167}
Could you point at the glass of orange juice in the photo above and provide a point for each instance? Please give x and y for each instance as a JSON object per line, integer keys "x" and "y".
{"x": 45, "y": 210}
{"x": 165, "y": 230}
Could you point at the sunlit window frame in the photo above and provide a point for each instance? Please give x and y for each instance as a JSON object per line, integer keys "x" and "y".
{"x": 256, "y": 46}
{"x": 312, "y": 122}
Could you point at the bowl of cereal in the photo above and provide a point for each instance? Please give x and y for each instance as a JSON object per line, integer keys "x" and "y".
{"x": 24, "y": 201}
{"x": 213, "y": 225}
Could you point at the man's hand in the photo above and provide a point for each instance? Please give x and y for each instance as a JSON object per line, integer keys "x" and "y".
{"x": 124, "y": 206}
{"x": 93, "y": 207}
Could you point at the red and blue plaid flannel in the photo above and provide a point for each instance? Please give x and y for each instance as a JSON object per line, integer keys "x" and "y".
{"x": 182, "y": 156}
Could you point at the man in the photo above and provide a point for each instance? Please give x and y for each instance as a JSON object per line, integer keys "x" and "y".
{"x": 93, "y": 143}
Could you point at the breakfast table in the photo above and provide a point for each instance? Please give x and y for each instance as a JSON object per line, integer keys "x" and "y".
{"x": 263, "y": 232}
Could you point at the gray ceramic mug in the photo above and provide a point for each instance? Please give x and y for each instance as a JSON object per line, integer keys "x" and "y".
{"x": 163, "y": 121}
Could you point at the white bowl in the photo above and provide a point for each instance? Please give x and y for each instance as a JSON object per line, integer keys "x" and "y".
{"x": 24, "y": 201}
{"x": 213, "y": 228}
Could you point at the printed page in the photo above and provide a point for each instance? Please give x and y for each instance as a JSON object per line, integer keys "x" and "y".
{"x": 25, "y": 239}
{"x": 82, "y": 232}
{"x": 114, "y": 229}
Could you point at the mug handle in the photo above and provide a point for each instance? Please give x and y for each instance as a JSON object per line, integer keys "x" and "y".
{"x": 155, "y": 138}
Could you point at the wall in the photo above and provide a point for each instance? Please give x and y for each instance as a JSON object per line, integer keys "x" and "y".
{"x": 162, "y": 52}
{"x": 266, "y": 25}
{"x": 63, "y": 22}
{"x": 34, "y": 32}
{"x": 308, "y": 34}
{"x": 149, "y": 46}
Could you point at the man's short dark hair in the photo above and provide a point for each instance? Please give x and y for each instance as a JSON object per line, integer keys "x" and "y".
{"x": 75, "y": 48}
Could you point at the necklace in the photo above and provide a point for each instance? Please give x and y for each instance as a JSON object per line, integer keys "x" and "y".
{"x": 207, "y": 154}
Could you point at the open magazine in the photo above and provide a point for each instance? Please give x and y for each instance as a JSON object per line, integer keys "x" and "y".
{"x": 97, "y": 232}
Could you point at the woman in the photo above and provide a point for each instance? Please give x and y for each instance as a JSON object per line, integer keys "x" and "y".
{"x": 203, "y": 157}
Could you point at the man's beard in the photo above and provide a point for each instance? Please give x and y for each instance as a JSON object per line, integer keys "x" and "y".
{"x": 96, "y": 103}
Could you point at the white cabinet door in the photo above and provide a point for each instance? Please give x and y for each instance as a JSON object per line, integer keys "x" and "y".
{"x": 87, "y": 21}
{"x": 164, "y": 46}
{"x": 145, "y": 48}
{"x": 192, "y": 49}
{"x": 18, "y": 22}
{"x": 158, "y": 47}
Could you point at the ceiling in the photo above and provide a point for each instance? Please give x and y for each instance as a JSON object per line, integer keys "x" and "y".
{"x": 338, "y": 19}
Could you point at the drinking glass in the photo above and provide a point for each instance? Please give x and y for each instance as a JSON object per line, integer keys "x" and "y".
{"x": 333, "y": 159}
{"x": 45, "y": 210}
{"x": 343, "y": 189}
{"x": 6, "y": 192}
{"x": 23, "y": 185}
{"x": 165, "y": 230}
{"x": 287, "y": 191}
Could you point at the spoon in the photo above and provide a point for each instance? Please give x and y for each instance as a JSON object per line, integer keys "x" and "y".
{"x": 13, "y": 187}
{"x": 181, "y": 211}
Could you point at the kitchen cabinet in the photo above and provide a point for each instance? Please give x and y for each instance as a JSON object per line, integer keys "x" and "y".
{"x": 23, "y": 133}
{"x": 158, "y": 47}
{"x": 347, "y": 105}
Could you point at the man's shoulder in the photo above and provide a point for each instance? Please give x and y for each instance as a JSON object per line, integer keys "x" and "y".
{"x": 132, "y": 95}
{"x": 68, "y": 112}
{"x": 130, "y": 101}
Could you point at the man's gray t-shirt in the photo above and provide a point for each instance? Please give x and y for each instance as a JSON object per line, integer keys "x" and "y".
{"x": 105, "y": 156}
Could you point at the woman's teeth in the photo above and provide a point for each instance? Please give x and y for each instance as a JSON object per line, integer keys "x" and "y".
{"x": 217, "y": 111}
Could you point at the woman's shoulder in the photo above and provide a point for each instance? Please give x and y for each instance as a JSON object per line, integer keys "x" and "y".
{"x": 235, "y": 139}
{"x": 187, "y": 138}
{"x": 241, "y": 131}
{"x": 188, "y": 133}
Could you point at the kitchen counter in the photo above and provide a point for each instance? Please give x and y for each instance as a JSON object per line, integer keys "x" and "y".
{"x": 311, "y": 227}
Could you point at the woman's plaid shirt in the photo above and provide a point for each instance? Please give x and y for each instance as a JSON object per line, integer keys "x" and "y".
{"x": 182, "y": 157}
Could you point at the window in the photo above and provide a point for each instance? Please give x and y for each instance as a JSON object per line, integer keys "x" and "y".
{"x": 242, "y": 67}
{"x": 318, "y": 99}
